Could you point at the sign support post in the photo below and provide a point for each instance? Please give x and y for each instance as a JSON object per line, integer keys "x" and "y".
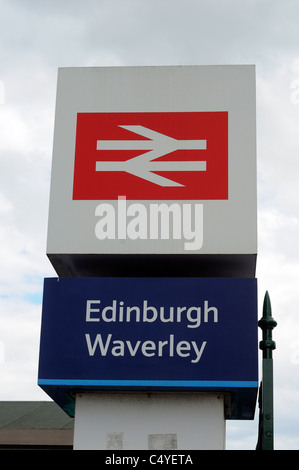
{"x": 152, "y": 232}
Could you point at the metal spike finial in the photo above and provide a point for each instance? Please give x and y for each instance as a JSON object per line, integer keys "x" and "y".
{"x": 266, "y": 432}
{"x": 267, "y": 323}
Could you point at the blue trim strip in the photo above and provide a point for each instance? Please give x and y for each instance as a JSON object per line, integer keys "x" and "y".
{"x": 151, "y": 383}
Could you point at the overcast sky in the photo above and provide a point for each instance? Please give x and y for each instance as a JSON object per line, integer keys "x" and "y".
{"x": 37, "y": 37}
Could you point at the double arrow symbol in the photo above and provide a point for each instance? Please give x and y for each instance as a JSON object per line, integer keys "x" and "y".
{"x": 144, "y": 165}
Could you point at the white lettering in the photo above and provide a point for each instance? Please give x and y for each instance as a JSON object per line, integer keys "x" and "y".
{"x": 98, "y": 342}
{"x": 197, "y": 234}
{"x": 197, "y": 351}
{"x": 147, "y": 309}
{"x": 197, "y": 318}
{"x": 209, "y": 309}
{"x": 179, "y": 311}
{"x": 110, "y": 310}
{"x": 119, "y": 312}
{"x": 89, "y": 310}
{"x": 105, "y": 227}
{"x": 172, "y": 459}
{"x": 133, "y": 350}
{"x": 161, "y": 344}
{"x": 183, "y": 346}
{"x": 121, "y": 218}
{"x": 118, "y": 349}
{"x": 160, "y": 218}
{"x": 137, "y": 228}
{"x": 132, "y": 309}
{"x": 116, "y": 460}
{"x": 160, "y": 221}
{"x": 147, "y": 348}
{"x": 170, "y": 318}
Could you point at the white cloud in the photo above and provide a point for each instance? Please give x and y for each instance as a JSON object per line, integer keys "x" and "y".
{"x": 38, "y": 37}
{"x": 19, "y": 337}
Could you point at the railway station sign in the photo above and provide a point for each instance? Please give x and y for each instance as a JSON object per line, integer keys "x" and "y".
{"x": 154, "y": 164}
{"x": 191, "y": 334}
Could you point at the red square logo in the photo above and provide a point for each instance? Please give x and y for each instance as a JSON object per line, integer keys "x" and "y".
{"x": 151, "y": 156}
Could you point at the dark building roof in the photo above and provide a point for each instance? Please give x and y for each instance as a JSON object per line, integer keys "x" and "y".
{"x": 34, "y": 424}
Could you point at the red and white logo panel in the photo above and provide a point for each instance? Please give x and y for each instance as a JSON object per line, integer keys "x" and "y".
{"x": 151, "y": 156}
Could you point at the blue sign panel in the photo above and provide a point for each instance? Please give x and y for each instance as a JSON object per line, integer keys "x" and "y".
{"x": 196, "y": 334}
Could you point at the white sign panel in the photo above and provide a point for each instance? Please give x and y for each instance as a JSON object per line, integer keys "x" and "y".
{"x": 154, "y": 162}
